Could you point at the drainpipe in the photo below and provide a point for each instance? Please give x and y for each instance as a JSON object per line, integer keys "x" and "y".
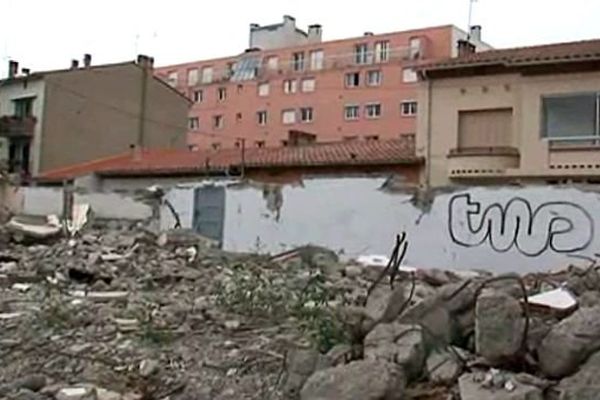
{"x": 428, "y": 148}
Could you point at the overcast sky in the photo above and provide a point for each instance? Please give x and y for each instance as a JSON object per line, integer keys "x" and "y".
{"x": 47, "y": 34}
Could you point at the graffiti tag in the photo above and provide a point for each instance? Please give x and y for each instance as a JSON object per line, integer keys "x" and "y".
{"x": 559, "y": 226}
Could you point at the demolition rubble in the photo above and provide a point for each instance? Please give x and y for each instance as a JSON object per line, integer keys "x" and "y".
{"x": 120, "y": 312}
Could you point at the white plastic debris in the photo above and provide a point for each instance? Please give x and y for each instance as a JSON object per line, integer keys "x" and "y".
{"x": 560, "y": 299}
{"x": 375, "y": 260}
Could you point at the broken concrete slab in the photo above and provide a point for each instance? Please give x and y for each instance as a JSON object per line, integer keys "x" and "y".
{"x": 359, "y": 380}
{"x": 561, "y": 301}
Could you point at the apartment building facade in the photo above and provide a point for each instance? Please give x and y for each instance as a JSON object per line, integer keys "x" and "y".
{"x": 361, "y": 88}
{"x": 512, "y": 116}
{"x": 56, "y": 118}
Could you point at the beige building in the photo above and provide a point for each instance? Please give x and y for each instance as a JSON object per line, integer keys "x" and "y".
{"x": 58, "y": 118}
{"x": 508, "y": 116}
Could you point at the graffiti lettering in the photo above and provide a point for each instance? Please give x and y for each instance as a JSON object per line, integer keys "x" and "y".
{"x": 559, "y": 226}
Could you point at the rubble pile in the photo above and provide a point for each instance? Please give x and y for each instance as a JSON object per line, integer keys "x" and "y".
{"x": 125, "y": 313}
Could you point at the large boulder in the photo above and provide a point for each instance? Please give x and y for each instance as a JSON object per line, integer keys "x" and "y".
{"x": 583, "y": 385}
{"x": 443, "y": 367}
{"x": 499, "y": 325}
{"x": 300, "y": 365}
{"x": 359, "y": 380}
{"x": 570, "y": 342}
{"x": 397, "y": 343}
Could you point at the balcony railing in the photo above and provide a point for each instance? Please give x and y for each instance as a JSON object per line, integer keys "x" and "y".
{"x": 12, "y": 126}
{"x": 574, "y": 141}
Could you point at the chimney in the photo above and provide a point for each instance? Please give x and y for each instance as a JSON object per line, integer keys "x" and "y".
{"x": 145, "y": 62}
{"x": 465, "y": 48}
{"x": 87, "y": 60}
{"x": 26, "y": 71}
{"x": 13, "y": 68}
{"x": 289, "y": 20}
{"x": 74, "y": 64}
{"x": 475, "y": 33}
{"x": 368, "y": 33}
{"x": 254, "y": 27}
{"x": 315, "y": 33}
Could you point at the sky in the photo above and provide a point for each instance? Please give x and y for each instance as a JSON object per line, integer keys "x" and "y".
{"x": 47, "y": 34}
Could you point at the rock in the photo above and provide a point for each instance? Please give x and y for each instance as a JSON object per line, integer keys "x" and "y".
{"x": 103, "y": 394}
{"x": 570, "y": 342}
{"x": 499, "y": 325}
{"x": 76, "y": 393}
{"x": 435, "y": 320}
{"x": 34, "y": 382}
{"x": 473, "y": 388}
{"x": 584, "y": 384}
{"x": 359, "y": 380}
{"x": 339, "y": 354}
{"x": 301, "y": 364}
{"x": 148, "y": 368}
{"x": 232, "y": 324}
{"x": 435, "y": 277}
{"x": 443, "y": 367}
{"x": 353, "y": 271}
{"x": 397, "y": 343}
{"x": 590, "y": 299}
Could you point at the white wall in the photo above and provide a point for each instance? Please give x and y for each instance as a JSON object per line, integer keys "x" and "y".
{"x": 354, "y": 216}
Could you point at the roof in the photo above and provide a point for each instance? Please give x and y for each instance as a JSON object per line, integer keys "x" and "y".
{"x": 185, "y": 162}
{"x": 568, "y": 52}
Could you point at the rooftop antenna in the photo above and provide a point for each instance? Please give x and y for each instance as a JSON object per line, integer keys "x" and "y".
{"x": 470, "y": 18}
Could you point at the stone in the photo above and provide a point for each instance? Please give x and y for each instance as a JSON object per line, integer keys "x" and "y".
{"x": 397, "y": 343}
{"x": 33, "y": 382}
{"x": 359, "y": 380}
{"x": 103, "y": 394}
{"x": 472, "y": 388}
{"x": 148, "y": 368}
{"x": 570, "y": 342}
{"x": 591, "y": 298}
{"x": 435, "y": 320}
{"x": 499, "y": 325}
{"x": 443, "y": 367}
{"x": 301, "y": 364}
{"x": 232, "y": 324}
{"x": 76, "y": 393}
{"x": 339, "y": 354}
{"x": 584, "y": 384}
{"x": 353, "y": 271}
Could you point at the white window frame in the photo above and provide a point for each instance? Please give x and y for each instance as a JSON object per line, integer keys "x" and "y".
{"x": 264, "y": 89}
{"x": 272, "y": 62}
{"x": 369, "y": 107}
{"x": 173, "y": 78}
{"x": 346, "y": 84}
{"x": 414, "y": 45}
{"x": 299, "y": 63}
{"x": 291, "y": 88}
{"x": 262, "y": 117}
{"x": 194, "y": 123}
{"x": 309, "y": 112}
{"x": 382, "y": 51}
{"x": 291, "y": 113}
{"x": 218, "y": 121}
{"x": 207, "y": 75}
{"x": 361, "y": 53}
{"x": 308, "y": 85}
{"x": 354, "y": 107}
{"x": 378, "y": 73}
{"x": 409, "y": 108}
{"x": 409, "y": 75}
{"x": 198, "y": 96}
{"x": 192, "y": 77}
{"x": 317, "y": 58}
{"x": 221, "y": 93}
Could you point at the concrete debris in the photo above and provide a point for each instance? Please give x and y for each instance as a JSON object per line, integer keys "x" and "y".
{"x": 118, "y": 312}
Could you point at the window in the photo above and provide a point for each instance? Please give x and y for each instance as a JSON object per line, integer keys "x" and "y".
{"x": 361, "y": 53}
{"x": 207, "y": 75}
{"x": 298, "y": 61}
{"x": 382, "y": 51}
{"x": 306, "y": 114}
{"x": 263, "y": 89}
{"x": 409, "y": 75}
{"x": 349, "y": 138}
{"x": 408, "y": 108}
{"x": 415, "y": 48}
{"x": 192, "y": 77}
{"x": 290, "y": 86}
{"x": 316, "y": 60}
{"x": 221, "y": 94}
{"x": 261, "y": 117}
{"x": 272, "y": 62}
{"x": 218, "y": 122}
{"x": 571, "y": 117}
{"x": 238, "y": 118}
{"x": 485, "y": 128}
{"x": 351, "y": 112}
{"x": 373, "y": 110}
{"x": 240, "y": 88}
{"x": 308, "y": 85}
{"x": 259, "y": 143}
{"x": 198, "y": 96}
{"x": 231, "y": 67}
{"x": 23, "y": 107}
{"x": 374, "y": 78}
{"x": 371, "y": 138}
{"x": 18, "y": 155}
{"x": 216, "y": 145}
{"x": 288, "y": 116}
{"x": 193, "y": 123}
{"x": 172, "y": 78}
{"x": 352, "y": 79}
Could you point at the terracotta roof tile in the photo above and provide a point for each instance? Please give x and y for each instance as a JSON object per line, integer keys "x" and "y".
{"x": 165, "y": 162}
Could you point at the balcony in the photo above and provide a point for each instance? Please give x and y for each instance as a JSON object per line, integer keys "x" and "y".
{"x": 578, "y": 155}
{"x": 477, "y": 162}
{"x": 13, "y": 127}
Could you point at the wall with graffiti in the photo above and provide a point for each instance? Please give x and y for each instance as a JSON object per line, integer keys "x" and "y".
{"x": 502, "y": 229}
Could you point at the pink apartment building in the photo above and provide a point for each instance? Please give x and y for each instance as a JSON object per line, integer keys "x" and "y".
{"x": 291, "y": 86}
